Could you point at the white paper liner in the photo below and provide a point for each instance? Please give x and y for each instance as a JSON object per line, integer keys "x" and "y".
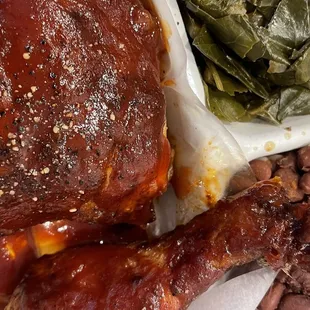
{"x": 241, "y": 293}
{"x": 258, "y": 139}
{"x": 206, "y": 155}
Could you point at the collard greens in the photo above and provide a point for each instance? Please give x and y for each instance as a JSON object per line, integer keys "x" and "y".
{"x": 256, "y": 56}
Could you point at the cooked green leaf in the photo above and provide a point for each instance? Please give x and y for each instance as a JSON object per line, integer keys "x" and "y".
{"x": 297, "y": 74}
{"x": 222, "y": 81}
{"x": 235, "y": 31}
{"x": 264, "y": 3}
{"x": 298, "y": 53}
{"x": 288, "y": 29}
{"x": 291, "y": 101}
{"x": 225, "y": 107}
{"x": 256, "y": 18}
{"x": 306, "y": 85}
{"x": 192, "y": 25}
{"x": 266, "y": 48}
{"x": 290, "y": 24}
{"x": 265, "y": 7}
{"x": 271, "y": 48}
{"x": 267, "y": 110}
{"x": 212, "y": 77}
{"x": 244, "y": 38}
{"x": 205, "y": 44}
{"x": 262, "y": 47}
{"x": 220, "y": 8}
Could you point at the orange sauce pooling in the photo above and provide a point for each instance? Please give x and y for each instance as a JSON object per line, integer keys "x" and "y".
{"x": 181, "y": 182}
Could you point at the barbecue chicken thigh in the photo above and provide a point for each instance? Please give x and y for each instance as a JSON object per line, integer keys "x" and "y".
{"x": 82, "y": 112}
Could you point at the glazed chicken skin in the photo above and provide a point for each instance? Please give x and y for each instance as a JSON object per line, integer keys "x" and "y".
{"x": 18, "y": 251}
{"x": 167, "y": 273}
{"x": 82, "y": 112}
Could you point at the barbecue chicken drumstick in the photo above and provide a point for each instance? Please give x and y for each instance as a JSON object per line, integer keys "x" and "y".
{"x": 167, "y": 273}
{"x": 82, "y": 112}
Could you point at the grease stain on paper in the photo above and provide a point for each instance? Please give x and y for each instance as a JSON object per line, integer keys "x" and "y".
{"x": 269, "y": 146}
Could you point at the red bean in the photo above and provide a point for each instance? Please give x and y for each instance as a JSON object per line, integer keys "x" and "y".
{"x": 304, "y": 183}
{"x": 289, "y": 160}
{"x": 294, "y": 170}
{"x": 294, "y": 285}
{"x": 294, "y": 302}
{"x": 274, "y": 159}
{"x": 262, "y": 169}
{"x": 303, "y": 158}
{"x": 273, "y": 297}
{"x": 302, "y": 277}
{"x": 290, "y": 181}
